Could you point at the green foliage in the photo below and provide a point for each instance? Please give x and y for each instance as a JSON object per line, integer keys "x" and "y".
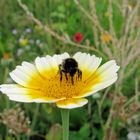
{"x": 63, "y": 17}
{"x": 82, "y": 134}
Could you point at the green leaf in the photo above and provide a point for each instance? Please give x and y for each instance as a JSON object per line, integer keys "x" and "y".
{"x": 117, "y": 123}
{"x": 61, "y": 8}
{"x": 84, "y": 131}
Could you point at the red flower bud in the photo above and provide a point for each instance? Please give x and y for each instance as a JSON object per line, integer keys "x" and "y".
{"x": 78, "y": 37}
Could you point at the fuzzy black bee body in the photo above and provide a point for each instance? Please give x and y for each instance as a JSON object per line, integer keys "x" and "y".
{"x": 69, "y": 66}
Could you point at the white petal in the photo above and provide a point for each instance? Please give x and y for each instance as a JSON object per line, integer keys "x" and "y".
{"x": 108, "y": 67}
{"x": 108, "y": 70}
{"x": 20, "y": 79}
{"x": 12, "y": 89}
{"x": 87, "y": 64}
{"x": 48, "y": 66}
{"x": 42, "y": 64}
{"x": 21, "y": 94}
{"x": 96, "y": 88}
{"x": 65, "y": 55}
{"x": 47, "y": 100}
{"x": 72, "y": 103}
{"x": 16, "y": 92}
{"x": 104, "y": 84}
{"x": 29, "y": 68}
{"x": 25, "y": 73}
{"x": 20, "y": 98}
{"x": 60, "y": 57}
{"x": 107, "y": 75}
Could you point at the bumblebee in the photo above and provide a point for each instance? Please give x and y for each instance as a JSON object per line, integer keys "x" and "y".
{"x": 69, "y": 66}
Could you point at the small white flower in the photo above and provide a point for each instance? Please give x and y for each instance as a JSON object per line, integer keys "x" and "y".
{"x": 20, "y": 52}
{"x": 14, "y": 31}
{"x": 38, "y": 41}
{"x": 28, "y": 30}
{"x": 131, "y": 136}
{"x": 31, "y": 41}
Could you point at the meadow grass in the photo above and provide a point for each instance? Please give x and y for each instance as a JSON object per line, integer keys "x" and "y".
{"x": 111, "y": 29}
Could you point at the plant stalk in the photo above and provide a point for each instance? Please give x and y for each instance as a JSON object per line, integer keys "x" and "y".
{"x": 65, "y": 123}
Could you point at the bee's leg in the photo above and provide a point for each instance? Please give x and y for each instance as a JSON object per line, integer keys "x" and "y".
{"x": 79, "y": 74}
{"x": 66, "y": 76}
{"x": 72, "y": 80}
{"x": 60, "y": 72}
{"x": 60, "y": 66}
{"x": 60, "y": 75}
{"x": 76, "y": 75}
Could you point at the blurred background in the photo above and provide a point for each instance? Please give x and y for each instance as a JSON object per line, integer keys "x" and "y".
{"x": 107, "y": 28}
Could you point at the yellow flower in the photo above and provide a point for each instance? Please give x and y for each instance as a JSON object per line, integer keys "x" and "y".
{"x": 40, "y": 82}
{"x": 105, "y": 38}
{"x": 23, "y": 42}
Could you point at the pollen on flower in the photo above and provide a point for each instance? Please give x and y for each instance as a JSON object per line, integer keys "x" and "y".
{"x": 53, "y": 87}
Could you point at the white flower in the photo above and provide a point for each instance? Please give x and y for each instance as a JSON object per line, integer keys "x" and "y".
{"x": 14, "y": 31}
{"x": 40, "y": 82}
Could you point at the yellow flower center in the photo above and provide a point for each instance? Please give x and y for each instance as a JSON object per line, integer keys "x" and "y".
{"x": 53, "y": 87}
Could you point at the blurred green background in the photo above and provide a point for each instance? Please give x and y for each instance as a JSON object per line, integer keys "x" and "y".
{"x": 110, "y": 29}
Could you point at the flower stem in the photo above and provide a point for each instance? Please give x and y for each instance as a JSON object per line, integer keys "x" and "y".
{"x": 65, "y": 123}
